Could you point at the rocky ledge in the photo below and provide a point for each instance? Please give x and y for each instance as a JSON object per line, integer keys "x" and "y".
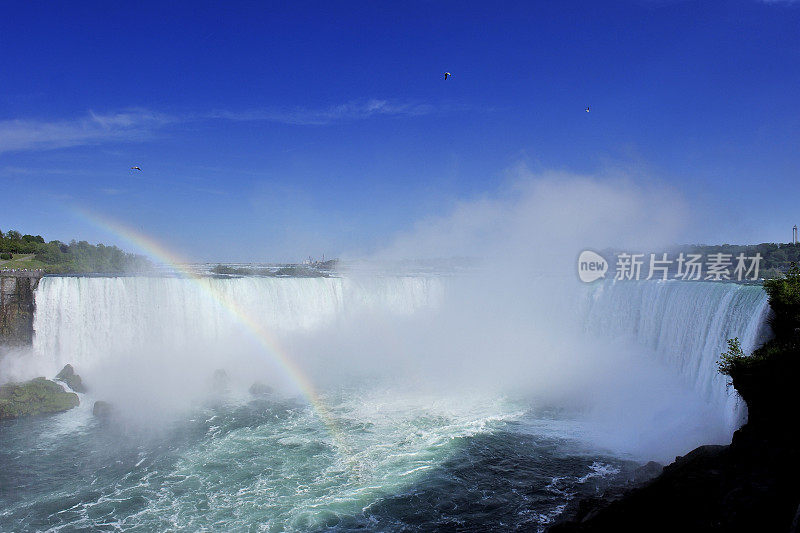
{"x": 749, "y": 485}
{"x": 72, "y": 380}
{"x": 38, "y": 396}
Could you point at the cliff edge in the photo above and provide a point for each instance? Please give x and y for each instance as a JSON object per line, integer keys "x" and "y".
{"x": 749, "y": 485}
{"x": 17, "y": 307}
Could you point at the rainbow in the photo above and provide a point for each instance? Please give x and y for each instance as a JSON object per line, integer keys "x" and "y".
{"x": 257, "y": 331}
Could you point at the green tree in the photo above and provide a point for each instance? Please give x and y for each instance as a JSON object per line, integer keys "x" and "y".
{"x": 784, "y": 299}
{"x": 732, "y": 357}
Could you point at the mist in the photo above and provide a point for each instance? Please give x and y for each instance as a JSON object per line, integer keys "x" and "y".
{"x": 513, "y": 324}
{"x": 510, "y": 326}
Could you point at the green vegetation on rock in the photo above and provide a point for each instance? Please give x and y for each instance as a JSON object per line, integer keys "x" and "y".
{"x": 35, "y": 397}
{"x": 59, "y": 258}
{"x": 784, "y": 300}
{"x": 730, "y": 358}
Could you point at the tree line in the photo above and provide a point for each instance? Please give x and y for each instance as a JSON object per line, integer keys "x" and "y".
{"x": 72, "y": 257}
{"x": 776, "y": 258}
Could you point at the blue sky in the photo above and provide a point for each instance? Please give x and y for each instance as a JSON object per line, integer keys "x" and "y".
{"x": 270, "y": 131}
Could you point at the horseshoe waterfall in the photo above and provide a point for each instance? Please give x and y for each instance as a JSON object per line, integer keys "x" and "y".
{"x": 378, "y": 402}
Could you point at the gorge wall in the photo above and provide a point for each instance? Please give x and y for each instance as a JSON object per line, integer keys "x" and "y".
{"x": 17, "y": 306}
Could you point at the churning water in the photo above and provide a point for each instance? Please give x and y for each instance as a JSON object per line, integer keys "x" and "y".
{"x": 376, "y": 446}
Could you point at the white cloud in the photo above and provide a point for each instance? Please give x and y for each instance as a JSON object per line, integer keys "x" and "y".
{"x": 29, "y": 134}
{"x": 349, "y": 111}
{"x": 20, "y": 135}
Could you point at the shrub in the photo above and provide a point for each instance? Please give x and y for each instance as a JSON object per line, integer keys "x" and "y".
{"x": 784, "y": 299}
{"x": 732, "y": 358}
{"x": 5, "y": 255}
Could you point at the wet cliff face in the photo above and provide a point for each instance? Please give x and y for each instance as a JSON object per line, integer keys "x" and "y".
{"x": 16, "y": 309}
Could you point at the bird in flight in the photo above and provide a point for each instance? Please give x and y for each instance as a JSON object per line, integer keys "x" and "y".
{"x": 136, "y": 168}
{"x": 587, "y": 108}
{"x": 447, "y": 75}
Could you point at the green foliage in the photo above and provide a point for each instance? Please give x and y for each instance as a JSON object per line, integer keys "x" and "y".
{"x": 31, "y": 238}
{"x": 775, "y": 257}
{"x": 732, "y": 358}
{"x": 35, "y": 397}
{"x": 75, "y": 257}
{"x": 6, "y": 255}
{"x": 784, "y": 299}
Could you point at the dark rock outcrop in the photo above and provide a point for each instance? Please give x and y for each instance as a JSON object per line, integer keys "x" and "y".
{"x": 749, "y": 485}
{"x": 260, "y": 389}
{"x": 102, "y": 409}
{"x": 36, "y": 397}
{"x": 17, "y": 307}
{"x": 73, "y": 380}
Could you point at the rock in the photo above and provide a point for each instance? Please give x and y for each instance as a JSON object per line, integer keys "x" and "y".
{"x": 73, "y": 380}
{"x": 647, "y": 472}
{"x": 220, "y": 381}
{"x": 102, "y": 409}
{"x": 260, "y": 389}
{"x": 749, "y": 485}
{"x": 17, "y": 307}
{"x": 699, "y": 458}
{"x": 35, "y": 397}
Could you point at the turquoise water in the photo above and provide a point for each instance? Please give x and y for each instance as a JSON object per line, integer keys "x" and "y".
{"x": 270, "y": 464}
{"x": 397, "y": 454}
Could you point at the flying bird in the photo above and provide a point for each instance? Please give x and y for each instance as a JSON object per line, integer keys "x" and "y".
{"x": 136, "y": 168}
{"x": 447, "y": 75}
{"x": 587, "y": 108}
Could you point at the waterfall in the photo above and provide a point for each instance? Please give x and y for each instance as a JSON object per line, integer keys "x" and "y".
{"x": 686, "y": 324}
{"x": 81, "y": 320}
